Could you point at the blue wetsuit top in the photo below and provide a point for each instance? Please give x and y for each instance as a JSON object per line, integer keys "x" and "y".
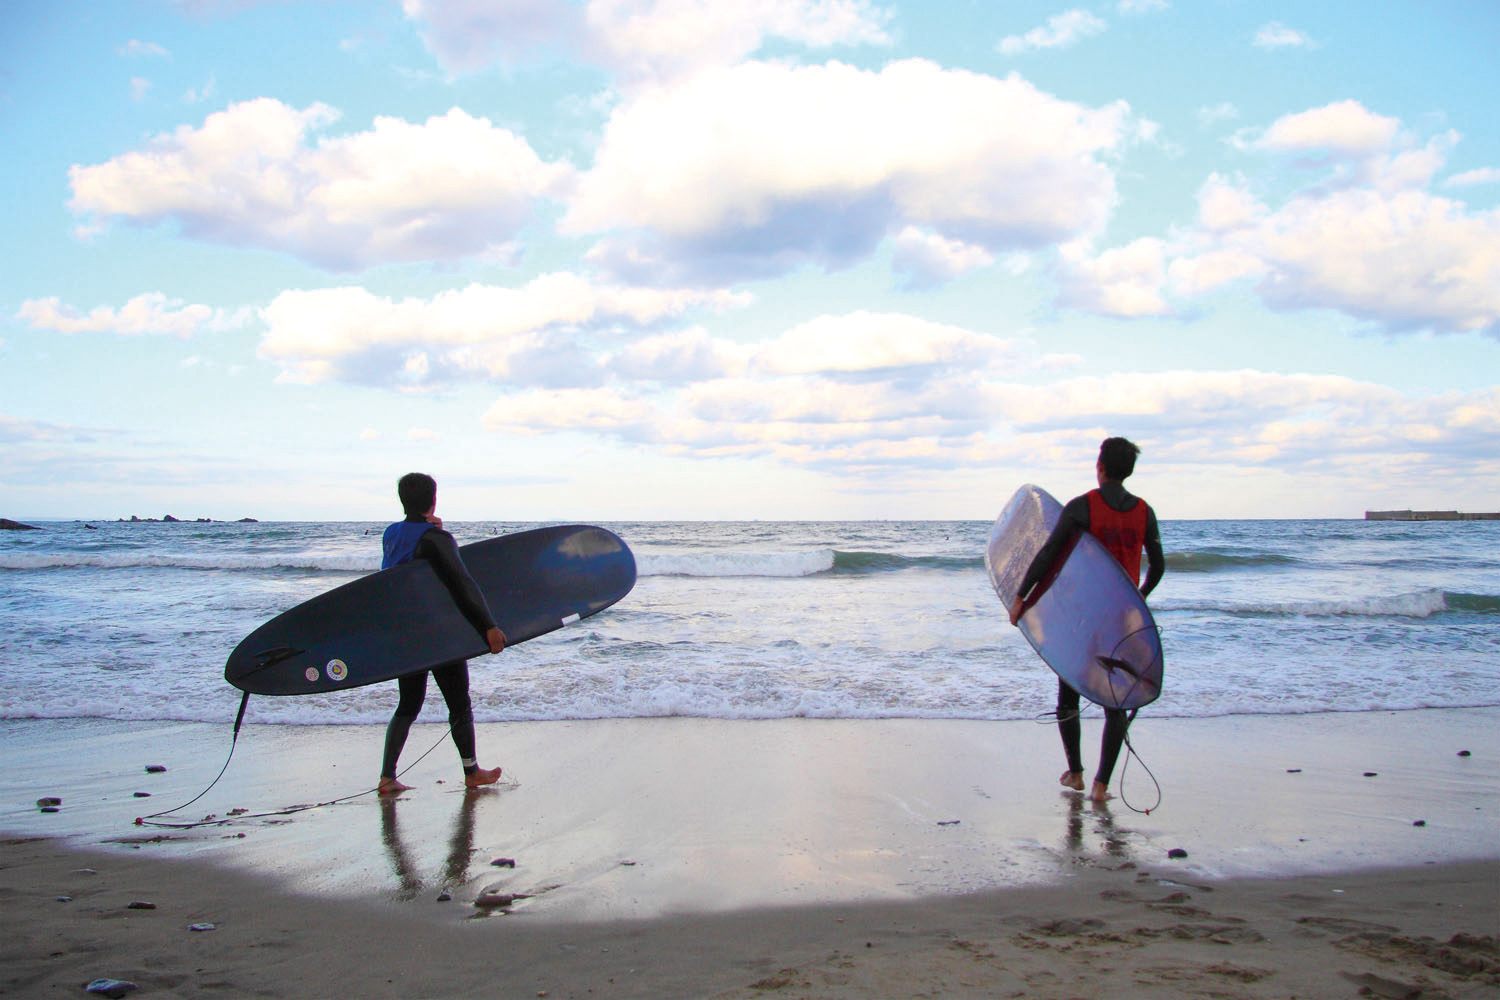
{"x": 400, "y": 542}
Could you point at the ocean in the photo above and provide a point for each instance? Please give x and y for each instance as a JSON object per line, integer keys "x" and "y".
{"x": 749, "y": 620}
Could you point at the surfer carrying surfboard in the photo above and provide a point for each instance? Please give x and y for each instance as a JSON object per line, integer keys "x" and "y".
{"x": 1126, "y": 525}
{"x": 421, "y": 536}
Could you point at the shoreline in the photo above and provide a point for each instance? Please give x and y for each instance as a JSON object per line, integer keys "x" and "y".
{"x": 793, "y": 857}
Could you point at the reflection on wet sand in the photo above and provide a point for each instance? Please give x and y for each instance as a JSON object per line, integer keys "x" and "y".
{"x": 455, "y": 872}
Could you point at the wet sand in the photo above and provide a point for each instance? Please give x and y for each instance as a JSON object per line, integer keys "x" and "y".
{"x": 687, "y": 857}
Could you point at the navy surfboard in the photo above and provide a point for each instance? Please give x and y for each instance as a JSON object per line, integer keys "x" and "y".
{"x": 1090, "y": 623}
{"x": 403, "y": 619}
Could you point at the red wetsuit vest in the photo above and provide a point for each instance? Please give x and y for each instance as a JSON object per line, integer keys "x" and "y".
{"x": 1122, "y": 532}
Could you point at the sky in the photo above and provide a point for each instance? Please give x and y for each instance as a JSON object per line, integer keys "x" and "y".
{"x": 782, "y": 259}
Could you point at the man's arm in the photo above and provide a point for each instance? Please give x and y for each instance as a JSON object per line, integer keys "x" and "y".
{"x": 1074, "y": 519}
{"x": 439, "y": 548}
{"x": 1156, "y": 561}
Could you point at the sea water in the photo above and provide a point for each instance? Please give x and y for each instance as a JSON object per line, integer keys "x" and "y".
{"x": 897, "y": 619}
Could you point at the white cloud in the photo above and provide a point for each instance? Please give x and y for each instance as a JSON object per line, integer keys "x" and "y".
{"x": 1370, "y": 241}
{"x": 927, "y": 260}
{"x": 679, "y": 356}
{"x": 528, "y": 334}
{"x": 150, "y": 313}
{"x": 250, "y": 176}
{"x": 1124, "y": 282}
{"x": 1482, "y": 175}
{"x": 864, "y": 342}
{"x": 762, "y": 168}
{"x": 369, "y": 434}
{"x": 136, "y": 47}
{"x": 1344, "y": 128}
{"x": 1276, "y": 35}
{"x": 139, "y": 86}
{"x": 1141, "y": 6}
{"x": 1061, "y": 30}
{"x": 1210, "y": 114}
{"x": 1187, "y": 419}
{"x": 467, "y": 35}
{"x": 422, "y": 434}
{"x": 640, "y": 40}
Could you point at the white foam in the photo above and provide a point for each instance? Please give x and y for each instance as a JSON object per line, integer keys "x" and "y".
{"x": 735, "y": 563}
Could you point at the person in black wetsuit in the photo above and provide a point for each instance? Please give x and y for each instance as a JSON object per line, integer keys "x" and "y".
{"x": 1126, "y": 524}
{"x": 421, "y": 536}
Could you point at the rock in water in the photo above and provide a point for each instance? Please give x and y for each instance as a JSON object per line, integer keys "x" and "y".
{"x": 110, "y": 987}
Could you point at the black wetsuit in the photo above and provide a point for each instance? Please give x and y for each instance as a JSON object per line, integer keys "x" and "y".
{"x": 1075, "y": 518}
{"x": 438, "y": 547}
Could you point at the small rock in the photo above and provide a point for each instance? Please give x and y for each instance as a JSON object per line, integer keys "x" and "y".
{"x": 1177, "y": 852}
{"x": 84, "y": 871}
{"x": 504, "y": 862}
{"x": 489, "y": 900}
{"x": 948, "y": 822}
{"x": 1464, "y": 753}
{"x": 200, "y": 927}
{"x": 110, "y": 987}
{"x": 628, "y": 864}
{"x": 49, "y": 809}
{"x": 155, "y": 768}
{"x": 1419, "y": 822}
{"x": 1372, "y": 774}
{"x": 64, "y": 899}
{"x": 140, "y": 904}
{"x": 143, "y": 795}
{"x": 444, "y": 896}
{"x": 50, "y": 800}
{"x": 1294, "y": 770}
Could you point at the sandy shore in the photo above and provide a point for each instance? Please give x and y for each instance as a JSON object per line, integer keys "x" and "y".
{"x": 682, "y": 857}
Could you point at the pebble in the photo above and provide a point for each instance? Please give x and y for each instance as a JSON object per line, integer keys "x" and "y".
{"x": 50, "y": 809}
{"x": 143, "y": 795}
{"x": 200, "y": 927}
{"x": 1294, "y": 770}
{"x": 1177, "y": 852}
{"x": 488, "y": 900}
{"x": 948, "y": 822}
{"x": 1464, "y": 753}
{"x": 1419, "y": 822}
{"x": 444, "y": 896}
{"x": 111, "y": 987}
{"x": 504, "y": 862}
{"x": 50, "y": 800}
{"x": 64, "y": 899}
{"x": 1372, "y": 774}
{"x": 155, "y": 768}
{"x": 140, "y": 904}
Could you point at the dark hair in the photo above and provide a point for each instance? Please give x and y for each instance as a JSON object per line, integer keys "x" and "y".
{"x": 418, "y": 492}
{"x": 1117, "y": 455}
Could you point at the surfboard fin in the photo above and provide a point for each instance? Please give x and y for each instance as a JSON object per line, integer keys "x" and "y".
{"x": 1112, "y": 663}
{"x": 274, "y": 655}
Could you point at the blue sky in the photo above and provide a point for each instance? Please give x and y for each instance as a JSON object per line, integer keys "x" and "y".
{"x": 783, "y": 259}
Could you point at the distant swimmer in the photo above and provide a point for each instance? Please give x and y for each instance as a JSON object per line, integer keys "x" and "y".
{"x": 1125, "y": 524}
{"x": 421, "y": 536}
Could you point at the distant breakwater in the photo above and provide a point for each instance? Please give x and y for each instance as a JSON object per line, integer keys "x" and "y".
{"x": 1428, "y": 515}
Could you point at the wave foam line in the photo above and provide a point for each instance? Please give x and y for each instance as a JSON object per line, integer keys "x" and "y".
{"x": 1422, "y": 604}
{"x": 305, "y": 561}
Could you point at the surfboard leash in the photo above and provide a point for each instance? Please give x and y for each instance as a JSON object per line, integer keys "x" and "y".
{"x": 151, "y": 820}
{"x": 1131, "y": 752}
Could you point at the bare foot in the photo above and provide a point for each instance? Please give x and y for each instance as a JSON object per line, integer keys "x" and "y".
{"x": 482, "y": 777}
{"x": 1100, "y": 793}
{"x": 390, "y": 786}
{"x": 1072, "y": 779}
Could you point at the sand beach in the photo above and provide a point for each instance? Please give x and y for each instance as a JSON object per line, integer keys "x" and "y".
{"x": 1352, "y": 854}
